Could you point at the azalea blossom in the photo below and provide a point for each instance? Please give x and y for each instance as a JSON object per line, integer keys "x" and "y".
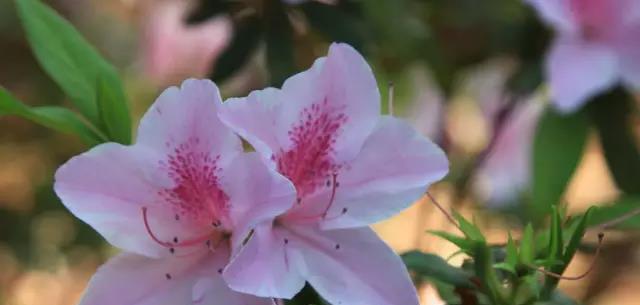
{"x": 597, "y": 46}
{"x": 177, "y": 202}
{"x": 172, "y": 50}
{"x": 506, "y": 171}
{"x": 350, "y": 167}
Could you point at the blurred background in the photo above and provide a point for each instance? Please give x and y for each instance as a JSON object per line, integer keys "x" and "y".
{"x": 466, "y": 73}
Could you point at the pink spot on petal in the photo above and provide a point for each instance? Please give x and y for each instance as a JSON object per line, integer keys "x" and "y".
{"x": 196, "y": 193}
{"x": 310, "y": 160}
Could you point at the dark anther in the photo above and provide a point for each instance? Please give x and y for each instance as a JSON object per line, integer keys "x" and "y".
{"x": 337, "y": 246}
{"x": 177, "y": 217}
{"x": 168, "y": 276}
{"x": 298, "y": 200}
{"x": 328, "y": 183}
{"x": 220, "y": 270}
{"x": 175, "y": 239}
{"x": 286, "y": 241}
{"x": 337, "y": 184}
{"x": 208, "y": 243}
{"x": 172, "y": 250}
{"x": 344, "y": 210}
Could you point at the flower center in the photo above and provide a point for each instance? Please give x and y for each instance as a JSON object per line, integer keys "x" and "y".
{"x": 309, "y": 162}
{"x": 195, "y": 193}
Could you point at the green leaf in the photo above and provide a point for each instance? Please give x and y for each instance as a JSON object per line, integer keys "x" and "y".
{"x": 556, "y": 243}
{"x": 625, "y": 212}
{"x": 246, "y": 37}
{"x": 470, "y": 230}
{"x": 113, "y": 113}
{"x": 462, "y": 243}
{"x": 576, "y": 237}
{"x": 433, "y": 266}
{"x": 613, "y": 115}
{"x": 73, "y": 64}
{"x": 483, "y": 267}
{"x": 557, "y": 150}
{"x": 527, "y": 245}
{"x": 57, "y": 118}
{"x": 512, "y": 252}
{"x": 279, "y": 39}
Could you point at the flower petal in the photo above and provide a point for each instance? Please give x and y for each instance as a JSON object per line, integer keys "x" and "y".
{"x": 265, "y": 266}
{"x": 578, "y": 70}
{"x": 257, "y": 193}
{"x": 352, "y": 266}
{"x": 340, "y": 84}
{"x": 254, "y": 119}
{"x": 394, "y": 168}
{"x": 131, "y": 279}
{"x": 189, "y": 115}
{"x": 107, "y": 187}
{"x": 556, "y": 13}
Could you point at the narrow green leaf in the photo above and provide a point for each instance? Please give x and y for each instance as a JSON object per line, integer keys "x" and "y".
{"x": 576, "y": 237}
{"x": 469, "y": 229}
{"x": 512, "y": 252}
{"x": 113, "y": 112}
{"x": 72, "y": 63}
{"x": 434, "y": 266}
{"x": 527, "y": 245}
{"x": 556, "y": 244}
{"x": 624, "y": 213}
{"x": 483, "y": 266}
{"x": 557, "y": 150}
{"x": 57, "y": 118}
{"x": 462, "y": 243}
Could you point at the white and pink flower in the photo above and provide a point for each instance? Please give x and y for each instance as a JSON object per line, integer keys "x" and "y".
{"x": 350, "y": 167}
{"x": 597, "y": 46}
{"x": 177, "y": 202}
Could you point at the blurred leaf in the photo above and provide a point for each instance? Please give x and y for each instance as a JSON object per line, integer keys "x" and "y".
{"x": 527, "y": 245}
{"x": 434, "y": 266}
{"x": 626, "y": 210}
{"x": 512, "y": 252}
{"x": 246, "y": 37}
{"x": 483, "y": 267}
{"x": 470, "y": 230}
{"x": 334, "y": 23}
{"x": 462, "y": 243}
{"x": 557, "y": 149}
{"x": 57, "y": 118}
{"x": 279, "y": 39}
{"x": 556, "y": 243}
{"x": 612, "y": 114}
{"x": 73, "y": 63}
{"x": 113, "y": 112}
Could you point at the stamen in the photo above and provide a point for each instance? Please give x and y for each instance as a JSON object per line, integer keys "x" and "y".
{"x": 333, "y": 195}
{"x": 446, "y": 214}
{"x": 577, "y": 277}
{"x": 171, "y": 246}
{"x": 168, "y": 276}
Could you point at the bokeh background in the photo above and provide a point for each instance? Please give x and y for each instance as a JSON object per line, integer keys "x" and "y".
{"x": 453, "y": 66}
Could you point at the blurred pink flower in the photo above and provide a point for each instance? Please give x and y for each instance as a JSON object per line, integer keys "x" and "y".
{"x": 505, "y": 172}
{"x": 173, "y": 50}
{"x": 350, "y": 166}
{"x": 597, "y": 46}
{"x": 176, "y": 202}
{"x": 426, "y": 112}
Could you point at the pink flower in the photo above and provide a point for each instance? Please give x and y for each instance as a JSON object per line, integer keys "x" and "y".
{"x": 597, "y": 46}
{"x": 173, "y": 50}
{"x": 177, "y": 202}
{"x": 350, "y": 167}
